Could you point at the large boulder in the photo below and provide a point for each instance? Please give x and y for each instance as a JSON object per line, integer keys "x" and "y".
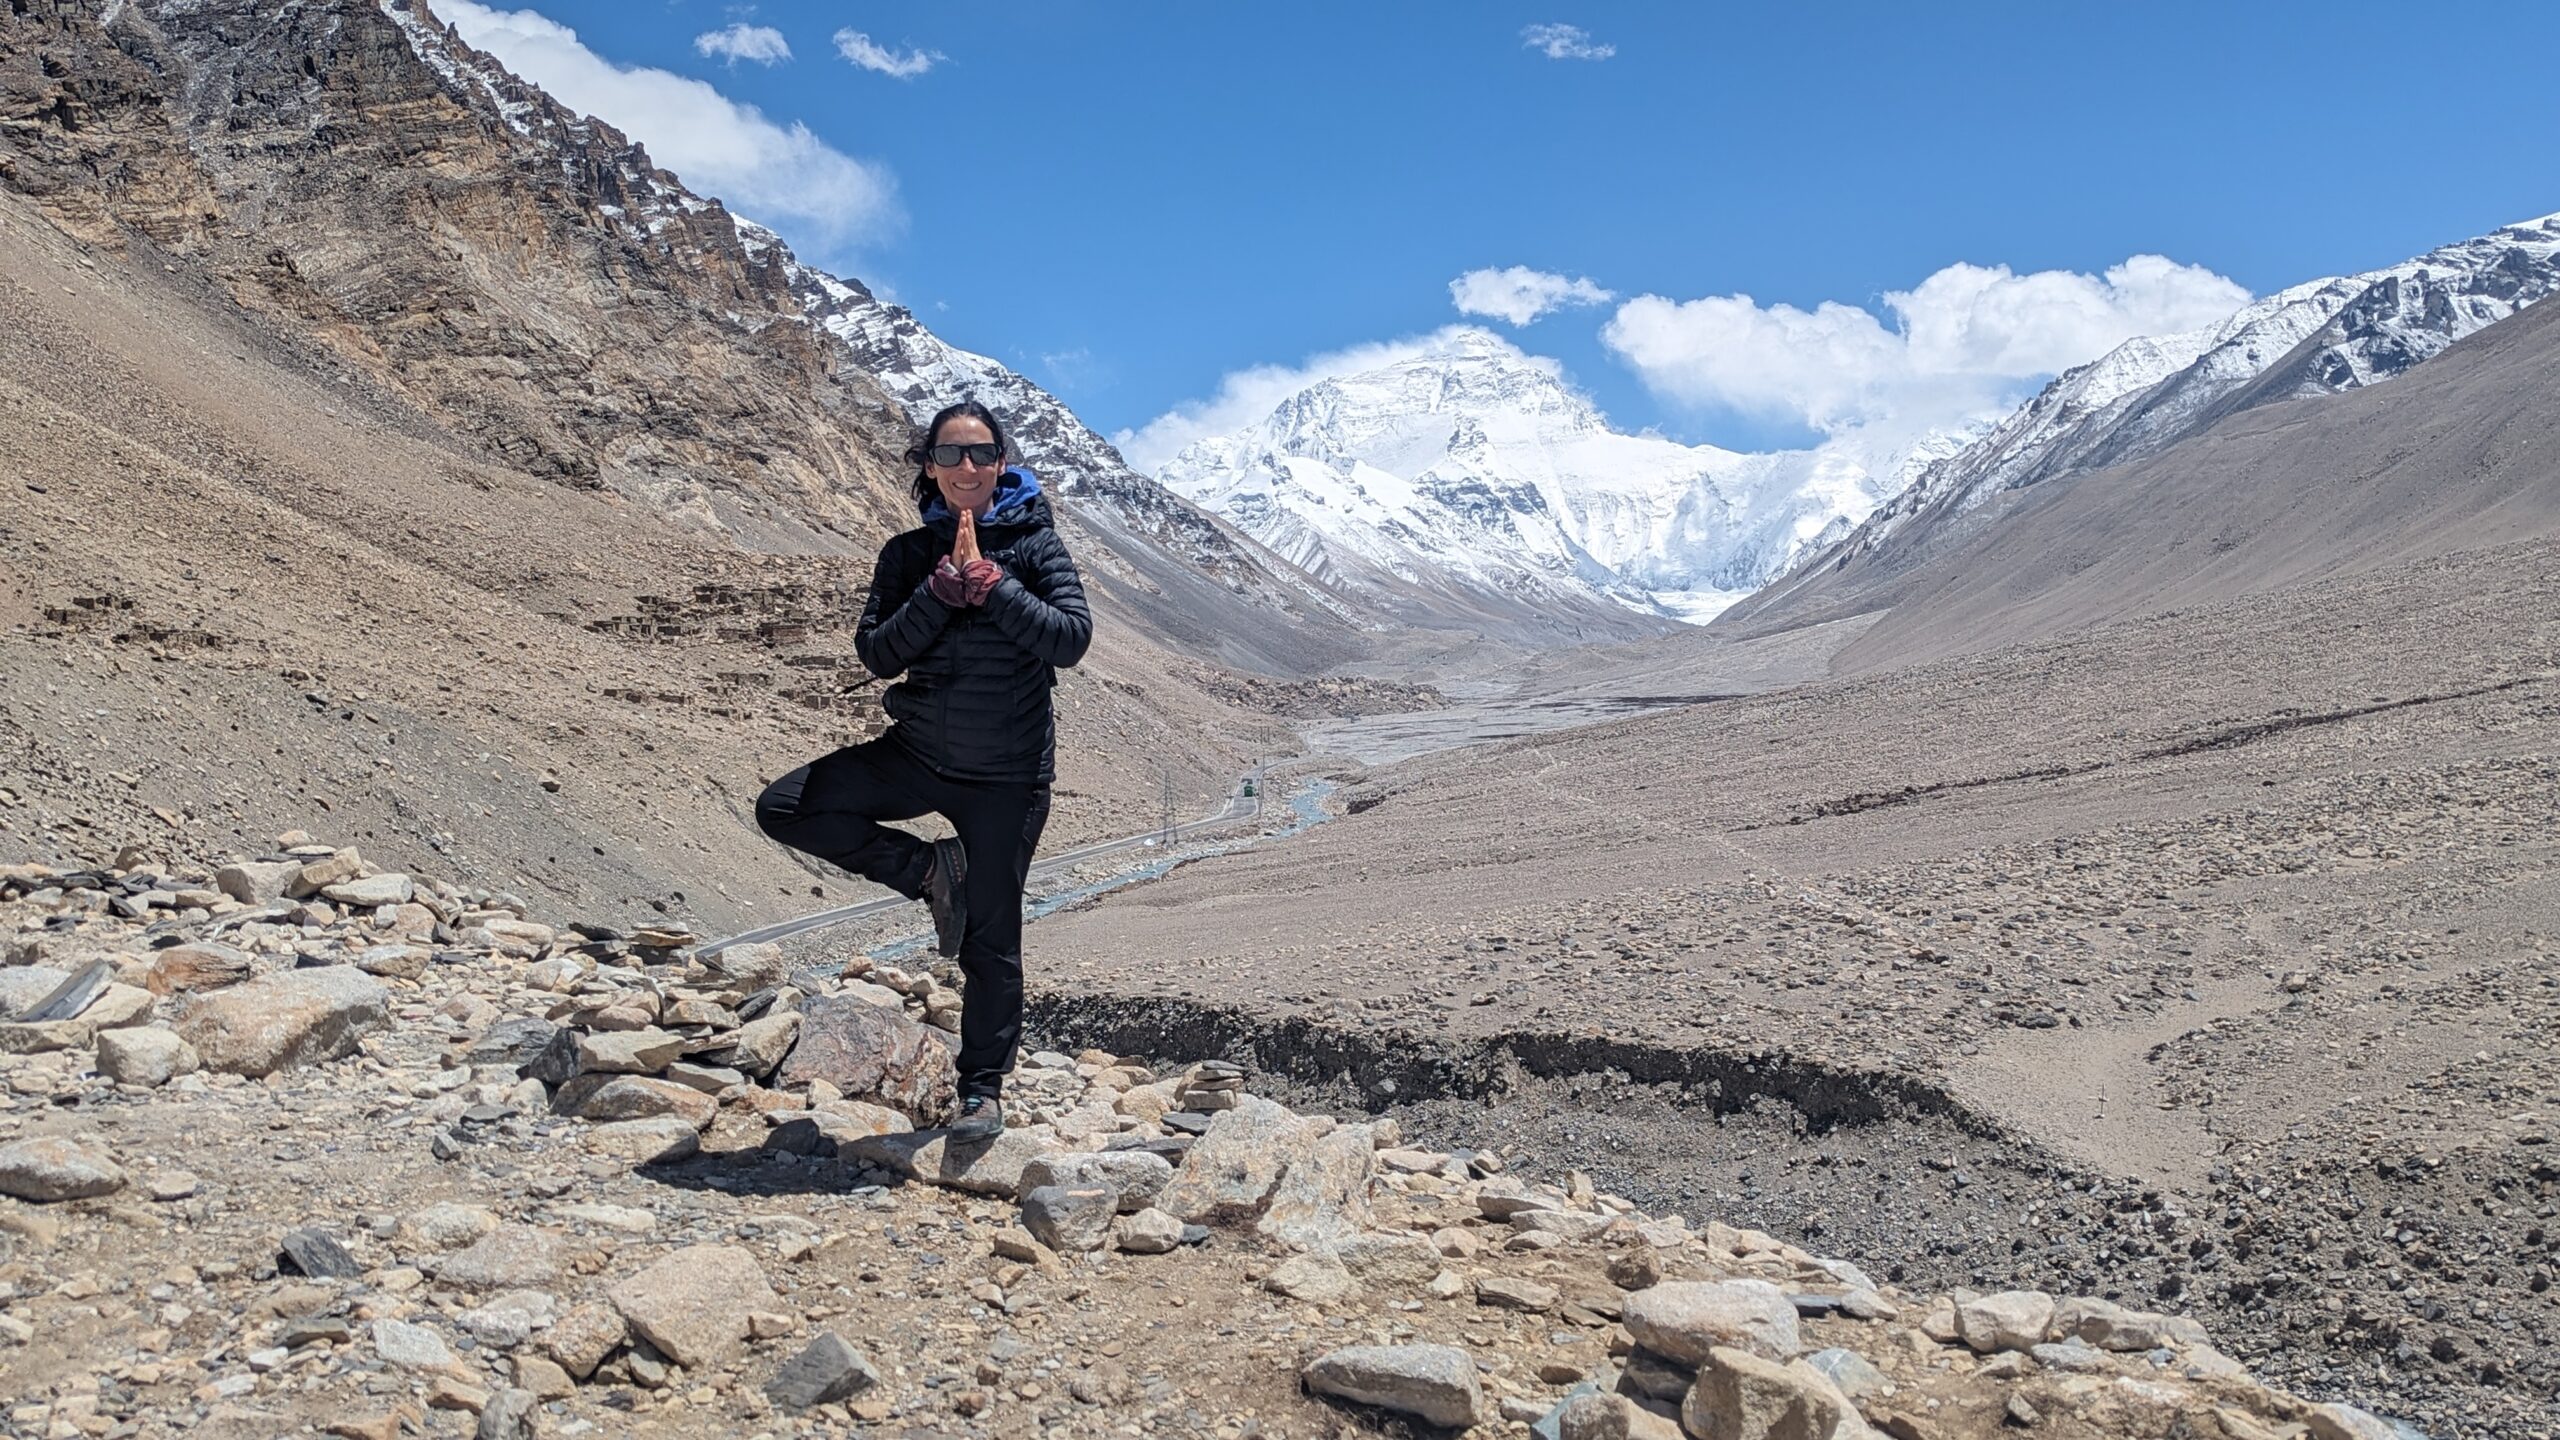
{"x": 1434, "y": 1382}
{"x": 993, "y": 1168}
{"x": 1323, "y": 1197}
{"x": 1740, "y": 1396}
{"x": 1230, "y": 1172}
{"x": 49, "y": 1168}
{"x": 694, "y": 1305}
{"x": 608, "y": 1097}
{"x": 203, "y": 966}
{"x": 1687, "y": 1320}
{"x": 869, "y": 1053}
{"x": 1136, "y": 1176}
{"x": 145, "y": 1057}
{"x": 289, "y": 1018}
{"x": 2009, "y": 1320}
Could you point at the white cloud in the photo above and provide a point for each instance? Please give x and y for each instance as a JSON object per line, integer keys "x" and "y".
{"x": 862, "y": 50}
{"x": 1519, "y": 294}
{"x": 761, "y": 43}
{"x": 1967, "y": 339}
{"x": 1248, "y": 395}
{"x": 719, "y": 146}
{"x": 1565, "y": 42}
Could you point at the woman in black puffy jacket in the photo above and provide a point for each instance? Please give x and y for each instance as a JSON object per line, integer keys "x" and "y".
{"x": 973, "y": 613}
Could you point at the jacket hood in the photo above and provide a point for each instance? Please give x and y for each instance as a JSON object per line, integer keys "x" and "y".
{"x": 1018, "y": 501}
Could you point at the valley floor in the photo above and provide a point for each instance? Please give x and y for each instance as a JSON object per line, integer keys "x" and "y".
{"x": 2178, "y": 959}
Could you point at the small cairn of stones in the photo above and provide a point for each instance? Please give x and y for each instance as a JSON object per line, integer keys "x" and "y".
{"x": 1212, "y": 1086}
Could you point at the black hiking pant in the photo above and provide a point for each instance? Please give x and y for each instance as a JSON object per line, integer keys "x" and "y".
{"x": 832, "y": 808}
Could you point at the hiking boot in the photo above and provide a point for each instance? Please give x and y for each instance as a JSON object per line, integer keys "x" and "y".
{"x": 981, "y": 1118}
{"x": 944, "y": 896}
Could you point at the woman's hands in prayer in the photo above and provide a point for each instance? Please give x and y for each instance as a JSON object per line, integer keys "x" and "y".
{"x": 965, "y": 577}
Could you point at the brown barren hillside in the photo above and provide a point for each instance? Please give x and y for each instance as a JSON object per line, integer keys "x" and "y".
{"x": 463, "y": 473}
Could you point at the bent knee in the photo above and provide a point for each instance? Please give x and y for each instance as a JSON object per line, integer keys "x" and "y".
{"x": 779, "y": 806}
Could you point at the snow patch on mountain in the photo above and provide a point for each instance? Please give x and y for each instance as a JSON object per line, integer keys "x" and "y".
{"x": 1477, "y": 468}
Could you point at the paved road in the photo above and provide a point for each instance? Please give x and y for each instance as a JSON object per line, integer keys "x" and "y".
{"x": 1245, "y": 803}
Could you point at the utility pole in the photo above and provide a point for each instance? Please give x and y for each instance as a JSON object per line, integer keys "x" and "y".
{"x": 1165, "y": 774}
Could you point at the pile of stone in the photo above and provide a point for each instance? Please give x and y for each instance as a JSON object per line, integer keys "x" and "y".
{"x": 628, "y": 1050}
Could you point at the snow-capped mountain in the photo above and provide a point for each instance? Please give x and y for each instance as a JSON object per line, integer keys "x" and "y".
{"x": 2316, "y": 338}
{"x": 1473, "y": 469}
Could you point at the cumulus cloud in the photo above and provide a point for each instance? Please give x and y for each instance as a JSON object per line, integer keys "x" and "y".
{"x": 862, "y": 50}
{"x": 761, "y": 43}
{"x": 1964, "y": 342}
{"x": 1248, "y": 395}
{"x": 1564, "y": 42}
{"x": 1519, "y": 294}
{"x": 720, "y": 147}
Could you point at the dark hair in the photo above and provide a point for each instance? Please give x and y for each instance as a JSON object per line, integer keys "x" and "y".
{"x": 926, "y": 491}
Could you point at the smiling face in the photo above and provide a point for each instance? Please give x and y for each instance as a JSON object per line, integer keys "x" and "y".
{"x": 968, "y": 485}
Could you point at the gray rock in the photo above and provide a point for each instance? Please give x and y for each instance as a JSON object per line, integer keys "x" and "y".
{"x": 1316, "y": 1278}
{"x": 1504, "y": 1292}
{"x": 1390, "y": 1262}
{"x": 21, "y": 986}
{"x": 2009, "y": 1320}
{"x": 761, "y": 1045}
{"x": 2110, "y": 1326}
{"x": 317, "y": 1254}
{"x": 1323, "y": 1197}
{"x": 994, "y": 1168}
{"x": 145, "y": 1056}
{"x": 1595, "y": 1415}
{"x": 1135, "y": 1176}
{"x": 517, "y": 1040}
{"x": 829, "y": 1369}
{"x": 628, "y": 1052}
{"x": 1149, "y": 1232}
{"x": 1739, "y": 1393}
{"x": 662, "y": 1141}
{"x": 581, "y": 1339}
{"x": 1239, "y": 1159}
{"x": 1686, "y": 1319}
{"x": 869, "y": 1053}
{"x": 1434, "y": 1382}
{"x": 285, "y": 1019}
{"x": 2346, "y": 1422}
{"x": 1070, "y": 1219}
{"x": 508, "y": 1416}
{"x": 50, "y": 1168}
{"x": 370, "y": 891}
{"x": 511, "y": 1257}
{"x": 447, "y": 1226}
{"x": 1850, "y": 1373}
{"x": 67, "y": 1000}
{"x": 694, "y": 1304}
{"x": 2070, "y": 1356}
{"x": 405, "y": 1346}
{"x": 256, "y": 882}
{"x": 511, "y": 1319}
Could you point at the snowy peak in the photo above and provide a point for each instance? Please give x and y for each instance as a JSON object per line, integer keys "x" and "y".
{"x": 2321, "y": 337}
{"x": 1469, "y": 469}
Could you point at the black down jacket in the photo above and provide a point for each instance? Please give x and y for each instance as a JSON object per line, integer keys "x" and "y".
{"x": 975, "y": 701}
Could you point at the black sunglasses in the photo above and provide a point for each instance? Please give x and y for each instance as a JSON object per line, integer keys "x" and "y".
{"x": 948, "y": 455}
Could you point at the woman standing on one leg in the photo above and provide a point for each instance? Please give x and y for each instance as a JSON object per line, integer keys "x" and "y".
{"x": 977, "y": 608}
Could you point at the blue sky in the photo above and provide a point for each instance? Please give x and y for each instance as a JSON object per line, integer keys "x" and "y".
{"x": 1134, "y": 202}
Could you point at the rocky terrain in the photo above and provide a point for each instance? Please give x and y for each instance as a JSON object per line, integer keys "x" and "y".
{"x": 2231, "y": 989}
{"x": 299, "y": 1145}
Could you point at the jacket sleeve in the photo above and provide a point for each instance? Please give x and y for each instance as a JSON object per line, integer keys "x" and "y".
{"x": 1042, "y": 609}
{"x": 889, "y": 643}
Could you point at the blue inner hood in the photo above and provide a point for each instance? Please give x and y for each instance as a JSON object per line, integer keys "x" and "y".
{"x": 1015, "y": 490}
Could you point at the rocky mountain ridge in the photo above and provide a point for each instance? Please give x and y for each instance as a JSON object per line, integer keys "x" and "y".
{"x": 2322, "y": 337}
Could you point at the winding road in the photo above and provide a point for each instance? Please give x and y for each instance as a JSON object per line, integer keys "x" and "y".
{"x": 1244, "y": 803}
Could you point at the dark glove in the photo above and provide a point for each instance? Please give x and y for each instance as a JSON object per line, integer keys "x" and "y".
{"x": 979, "y": 578}
{"x": 950, "y": 586}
